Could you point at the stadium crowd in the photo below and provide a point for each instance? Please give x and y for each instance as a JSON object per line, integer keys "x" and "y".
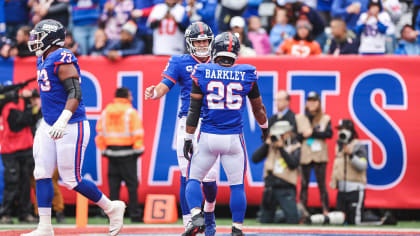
{"x": 118, "y": 28}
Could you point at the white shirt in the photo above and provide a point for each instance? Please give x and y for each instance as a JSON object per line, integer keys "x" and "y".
{"x": 167, "y": 38}
{"x": 371, "y": 40}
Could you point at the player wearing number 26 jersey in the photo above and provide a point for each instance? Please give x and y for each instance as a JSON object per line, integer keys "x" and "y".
{"x": 63, "y": 135}
{"x": 221, "y": 88}
{"x": 224, "y": 95}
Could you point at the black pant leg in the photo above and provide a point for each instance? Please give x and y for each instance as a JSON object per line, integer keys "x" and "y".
{"x": 114, "y": 179}
{"x": 25, "y": 205}
{"x": 306, "y": 173}
{"x": 129, "y": 164}
{"x": 320, "y": 172}
{"x": 11, "y": 186}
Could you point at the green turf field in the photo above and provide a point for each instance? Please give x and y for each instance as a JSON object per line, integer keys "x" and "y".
{"x": 226, "y": 221}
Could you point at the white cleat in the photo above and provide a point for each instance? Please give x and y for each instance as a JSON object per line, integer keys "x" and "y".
{"x": 41, "y": 230}
{"x": 116, "y": 217}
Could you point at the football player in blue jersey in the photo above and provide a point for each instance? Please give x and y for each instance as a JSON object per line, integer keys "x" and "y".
{"x": 198, "y": 37}
{"x": 63, "y": 135}
{"x": 221, "y": 88}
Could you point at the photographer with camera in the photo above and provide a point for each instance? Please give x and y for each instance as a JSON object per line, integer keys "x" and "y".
{"x": 280, "y": 172}
{"x": 16, "y": 153}
{"x": 349, "y": 172}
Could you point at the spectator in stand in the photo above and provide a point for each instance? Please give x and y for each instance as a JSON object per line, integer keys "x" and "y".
{"x": 165, "y": 20}
{"x": 409, "y": 42}
{"x": 281, "y": 29}
{"x": 2, "y": 19}
{"x": 349, "y": 10}
{"x": 5, "y": 47}
{"x": 344, "y": 41}
{"x": 16, "y": 13}
{"x": 203, "y": 10}
{"x": 237, "y": 26}
{"x": 115, "y": 14}
{"x": 85, "y": 17}
{"x": 252, "y": 8}
{"x": 258, "y": 36}
{"x": 51, "y": 9}
{"x": 393, "y": 8}
{"x": 302, "y": 44}
{"x": 21, "y": 49}
{"x": 70, "y": 44}
{"x": 101, "y": 42}
{"x": 229, "y": 9}
{"x": 371, "y": 28}
{"x": 128, "y": 45}
{"x": 416, "y": 8}
{"x": 324, "y": 9}
{"x": 142, "y": 10}
{"x": 300, "y": 11}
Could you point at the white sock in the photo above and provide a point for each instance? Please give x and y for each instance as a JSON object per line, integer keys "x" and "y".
{"x": 44, "y": 215}
{"x": 237, "y": 225}
{"x": 186, "y": 219}
{"x": 105, "y": 203}
{"x": 195, "y": 211}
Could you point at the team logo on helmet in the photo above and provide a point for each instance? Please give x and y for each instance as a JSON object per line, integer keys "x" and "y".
{"x": 45, "y": 34}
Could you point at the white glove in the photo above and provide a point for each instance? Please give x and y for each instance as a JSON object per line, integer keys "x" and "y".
{"x": 57, "y": 130}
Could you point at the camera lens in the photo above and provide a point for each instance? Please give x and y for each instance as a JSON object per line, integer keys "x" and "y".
{"x": 273, "y": 138}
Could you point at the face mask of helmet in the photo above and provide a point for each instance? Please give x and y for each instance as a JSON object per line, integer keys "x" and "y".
{"x": 344, "y": 136}
{"x": 35, "y": 42}
{"x": 199, "y": 51}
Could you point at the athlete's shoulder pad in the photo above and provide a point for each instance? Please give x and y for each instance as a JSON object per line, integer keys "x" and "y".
{"x": 251, "y": 71}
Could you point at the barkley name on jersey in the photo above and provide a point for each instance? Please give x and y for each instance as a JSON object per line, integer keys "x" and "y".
{"x": 52, "y": 92}
{"x": 224, "y": 95}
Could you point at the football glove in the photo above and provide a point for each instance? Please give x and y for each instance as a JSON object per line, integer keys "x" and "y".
{"x": 57, "y": 130}
{"x": 188, "y": 149}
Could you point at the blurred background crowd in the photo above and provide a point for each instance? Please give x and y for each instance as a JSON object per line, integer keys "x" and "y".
{"x": 118, "y": 28}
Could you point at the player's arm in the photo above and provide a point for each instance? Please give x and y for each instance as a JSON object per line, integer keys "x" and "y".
{"x": 156, "y": 91}
{"x": 258, "y": 109}
{"x": 193, "y": 117}
{"x": 69, "y": 77}
{"x": 170, "y": 76}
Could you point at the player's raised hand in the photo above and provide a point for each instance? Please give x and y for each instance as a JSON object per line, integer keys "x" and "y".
{"x": 148, "y": 94}
{"x": 57, "y": 130}
{"x": 188, "y": 149}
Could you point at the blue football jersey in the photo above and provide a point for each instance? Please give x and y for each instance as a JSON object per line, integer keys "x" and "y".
{"x": 178, "y": 70}
{"x": 52, "y": 92}
{"x": 225, "y": 90}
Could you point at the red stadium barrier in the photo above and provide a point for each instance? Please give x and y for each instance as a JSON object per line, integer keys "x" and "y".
{"x": 380, "y": 93}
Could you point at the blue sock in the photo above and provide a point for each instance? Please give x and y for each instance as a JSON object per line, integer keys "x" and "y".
{"x": 182, "y": 199}
{"x": 193, "y": 193}
{"x": 44, "y": 192}
{"x": 210, "y": 191}
{"x": 89, "y": 190}
{"x": 237, "y": 202}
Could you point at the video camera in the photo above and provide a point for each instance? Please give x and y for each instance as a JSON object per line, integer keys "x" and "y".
{"x": 9, "y": 93}
{"x": 278, "y": 129}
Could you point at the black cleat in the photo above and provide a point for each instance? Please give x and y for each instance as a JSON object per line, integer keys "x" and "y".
{"x": 236, "y": 232}
{"x": 196, "y": 226}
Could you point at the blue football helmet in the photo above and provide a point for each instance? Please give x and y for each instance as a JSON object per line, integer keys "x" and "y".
{"x": 226, "y": 45}
{"x": 46, "y": 34}
{"x": 198, "y": 31}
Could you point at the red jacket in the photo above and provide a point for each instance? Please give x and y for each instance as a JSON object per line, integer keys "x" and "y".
{"x": 14, "y": 141}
